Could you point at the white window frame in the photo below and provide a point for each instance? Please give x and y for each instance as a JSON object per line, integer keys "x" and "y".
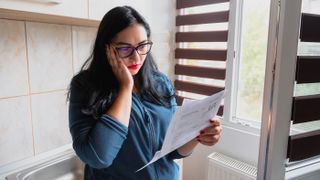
{"x": 233, "y": 65}
{"x": 238, "y": 140}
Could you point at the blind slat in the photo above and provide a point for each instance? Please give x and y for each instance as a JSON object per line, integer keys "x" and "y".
{"x": 307, "y": 70}
{"x": 310, "y": 28}
{"x": 219, "y": 55}
{"x": 203, "y": 72}
{"x": 305, "y": 108}
{"x": 187, "y": 3}
{"x": 303, "y": 146}
{"x": 205, "y": 18}
{"x": 196, "y": 88}
{"x": 208, "y": 36}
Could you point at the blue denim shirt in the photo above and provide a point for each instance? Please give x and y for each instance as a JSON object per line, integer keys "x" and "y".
{"x": 111, "y": 150}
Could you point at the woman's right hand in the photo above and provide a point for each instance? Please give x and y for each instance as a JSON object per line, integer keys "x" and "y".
{"x": 121, "y": 72}
{"x": 121, "y": 106}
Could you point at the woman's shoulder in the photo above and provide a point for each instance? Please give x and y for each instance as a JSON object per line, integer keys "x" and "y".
{"x": 82, "y": 79}
{"x": 160, "y": 77}
{"x": 163, "y": 83}
{"x": 82, "y": 76}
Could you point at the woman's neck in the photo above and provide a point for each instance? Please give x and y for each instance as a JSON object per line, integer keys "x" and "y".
{"x": 135, "y": 88}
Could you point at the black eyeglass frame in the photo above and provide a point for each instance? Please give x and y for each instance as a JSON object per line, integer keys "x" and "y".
{"x": 134, "y": 49}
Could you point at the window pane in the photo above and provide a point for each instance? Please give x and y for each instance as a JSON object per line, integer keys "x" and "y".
{"x": 207, "y": 8}
{"x": 308, "y": 48}
{"x": 205, "y": 27}
{"x": 306, "y": 89}
{"x": 311, "y": 6}
{"x": 252, "y": 59}
{"x": 304, "y": 127}
{"x": 207, "y": 45}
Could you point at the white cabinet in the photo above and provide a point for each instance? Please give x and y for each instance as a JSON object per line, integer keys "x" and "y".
{"x": 98, "y": 8}
{"x": 69, "y": 8}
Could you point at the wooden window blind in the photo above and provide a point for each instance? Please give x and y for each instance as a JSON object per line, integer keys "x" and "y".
{"x": 306, "y": 108}
{"x": 200, "y": 69}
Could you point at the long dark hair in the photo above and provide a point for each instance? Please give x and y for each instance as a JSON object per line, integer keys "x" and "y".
{"x": 102, "y": 78}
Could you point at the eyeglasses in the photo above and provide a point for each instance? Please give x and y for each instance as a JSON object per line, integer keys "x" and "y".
{"x": 127, "y": 51}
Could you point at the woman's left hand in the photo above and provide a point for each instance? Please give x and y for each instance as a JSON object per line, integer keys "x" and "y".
{"x": 211, "y": 134}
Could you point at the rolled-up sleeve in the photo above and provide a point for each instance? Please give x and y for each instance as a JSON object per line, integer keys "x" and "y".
{"x": 176, "y": 155}
{"x": 96, "y": 141}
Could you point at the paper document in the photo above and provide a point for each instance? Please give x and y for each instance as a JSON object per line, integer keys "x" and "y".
{"x": 187, "y": 122}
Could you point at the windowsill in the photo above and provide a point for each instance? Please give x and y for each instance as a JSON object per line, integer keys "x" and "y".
{"x": 244, "y": 125}
{"x": 309, "y": 167}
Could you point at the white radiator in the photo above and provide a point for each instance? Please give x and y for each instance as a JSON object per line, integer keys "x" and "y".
{"x": 222, "y": 167}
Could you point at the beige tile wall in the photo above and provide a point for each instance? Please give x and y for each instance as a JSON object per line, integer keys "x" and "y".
{"x": 13, "y": 63}
{"x": 37, "y": 61}
{"x": 49, "y": 56}
{"x": 80, "y": 37}
{"x": 16, "y": 140}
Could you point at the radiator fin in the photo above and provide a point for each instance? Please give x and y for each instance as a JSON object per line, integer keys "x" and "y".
{"x": 222, "y": 167}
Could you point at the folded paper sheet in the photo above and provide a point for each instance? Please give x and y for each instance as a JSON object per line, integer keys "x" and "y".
{"x": 186, "y": 123}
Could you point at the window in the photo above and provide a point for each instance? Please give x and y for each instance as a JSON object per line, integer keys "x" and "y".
{"x": 250, "y": 56}
{"x": 201, "y": 52}
{"x": 213, "y": 27}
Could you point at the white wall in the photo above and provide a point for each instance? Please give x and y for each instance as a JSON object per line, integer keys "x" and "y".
{"x": 163, "y": 33}
{"x": 235, "y": 143}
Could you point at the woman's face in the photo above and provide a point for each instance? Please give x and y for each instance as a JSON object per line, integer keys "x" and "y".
{"x": 131, "y": 45}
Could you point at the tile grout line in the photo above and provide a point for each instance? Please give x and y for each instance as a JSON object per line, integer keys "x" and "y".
{"x": 88, "y": 9}
{"x": 29, "y": 91}
{"x": 72, "y": 50}
{"x": 36, "y": 93}
{"x": 11, "y": 97}
{"x": 47, "y": 92}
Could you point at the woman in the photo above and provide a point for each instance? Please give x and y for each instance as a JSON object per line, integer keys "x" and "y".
{"x": 121, "y": 105}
